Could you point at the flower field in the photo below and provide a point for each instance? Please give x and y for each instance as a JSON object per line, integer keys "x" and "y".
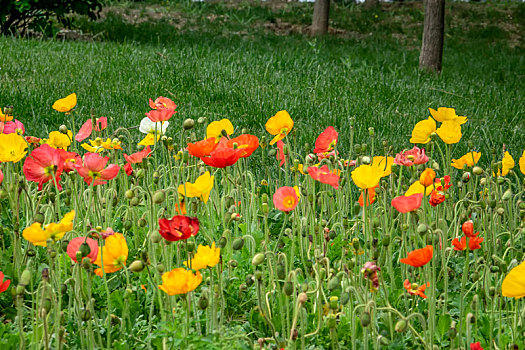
{"x": 241, "y": 240}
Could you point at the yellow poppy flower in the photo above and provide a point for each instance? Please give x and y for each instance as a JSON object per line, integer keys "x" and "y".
{"x": 200, "y": 188}
{"x": 215, "y": 129}
{"x": 114, "y": 254}
{"x": 180, "y": 281}
{"x": 446, "y": 114}
{"x": 507, "y": 164}
{"x": 5, "y": 117}
{"x": 522, "y": 163}
{"x": 59, "y": 140}
{"x": 279, "y": 125}
{"x": 422, "y": 131}
{"x": 297, "y": 192}
{"x": 513, "y": 285}
{"x": 38, "y": 236}
{"x": 149, "y": 140}
{"x": 449, "y": 131}
{"x": 469, "y": 160}
{"x": 385, "y": 166}
{"x": 367, "y": 176}
{"x": 98, "y": 145}
{"x": 417, "y": 187}
{"x": 206, "y": 256}
{"x": 12, "y": 147}
{"x": 66, "y": 104}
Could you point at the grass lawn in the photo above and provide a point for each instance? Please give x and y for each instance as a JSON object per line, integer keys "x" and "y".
{"x": 220, "y": 61}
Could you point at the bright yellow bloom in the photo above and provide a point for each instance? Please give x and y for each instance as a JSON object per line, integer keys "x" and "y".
{"x": 38, "y": 236}
{"x": 5, "y": 117}
{"x": 444, "y": 114}
{"x": 507, "y": 164}
{"x": 385, "y": 166}
{"x": 367, "y": 176}
{"x": 114, "y": 254}
{"x": 149, "y": 140}
{"x": 422, "y": 131}
{"x": 66, "y": 104}
{"x": 417, "y": 187}
{"x": 98, "y": 145}
{"x": 200, "y": 188}
{"x": 427, "y": 177}
{"x": 513, "y": 285}
{"x": 522, "y": 163}
{"x": 206, "y": 256}
{"x": 297, "y": 192}
{"x": 180, "y": 281}
{"x": 279, "y": 125}
{"x": 449, "y": 131}
{"x": 215, "y": 129}
{"x": 58, "y": 140}
{"x": 12, "y": 147}
{"x": 469, "y": 160}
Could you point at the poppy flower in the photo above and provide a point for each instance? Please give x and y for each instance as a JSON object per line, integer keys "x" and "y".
{"x": 93, "y": 169}
{"x": 473, "y": 243}
{"x": 45, "y": 163}
{"x": 419, "y": 257}
{"x": 417, "y": 187}
{"x": 248, "y": 143}
{"x": 468, "y": 160}
{"x": 507, "y": 164}
{"x": 366, "y": 176}
{"x": 223, "y": 155}
{"x": 13, "y": 148}
{"x": 114, "y": 254}
{"x": 513, "y": 285}
{"x": 162, "y": 103}
{"x": 87, "y": 128}
{"x": 427, "y": 177}
{"x": 279, "y": 125}
{"x": 65, "y": 104}
{"x": 180, "y": 281}
{"x": 206, "y": 256}
{"x": 160, "y": 115}
{"x": 285, "y": 199}
{"x": 324, "y": 175}
{"x": 410, "y": 157}
{"x": 476, "y": 346}
{"x": 218, "y": 129}
{"x": 280, "y": 153}
{"x": 468, "y": 228}
{"x": 449, "y": 131}
{"x": 75, "y": 245}
{"x": 202, "y": 148}
{"x": 384, "y": 164}
{"x": 178, "y": 227}
{"x": 98, "y": 145}
{"x": 369, "y": 271}
{"x": 414, "y": 289}
{"x": 4, "y": 283}
{"x": 59, "y": 140}
{"x": 32, "y": 140}
{"x": 326, "y": 141}
{"x": 423, "y": 130}
{"x": 11, "y": 127}
{"x": 70, "y": 159}
{"x": 149, "y": 127}
{"x": 436, "y": 197}
{"x": 138, "y": 157}
{"x": 55, "y": 231}
{"x": 443, "y": 183}
{"x": 1, "y": 176}
{"x": 405, "y": 204}
{"x": 7, "y": 117}
{"x": 201, "y": 188}
{"x": 522, "y": 163}
{"x": 371, "y": 197}
{"x": 444, "y": 114}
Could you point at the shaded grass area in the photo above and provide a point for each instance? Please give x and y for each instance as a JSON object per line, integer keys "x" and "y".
{"x": 249, "y": 74}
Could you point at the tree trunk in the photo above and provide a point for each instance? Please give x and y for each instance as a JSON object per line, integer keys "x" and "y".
{"x": 433, "y": 32}
{"x": 320, "y": 18}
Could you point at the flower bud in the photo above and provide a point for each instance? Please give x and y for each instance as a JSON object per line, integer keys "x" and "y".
{"x": 365, "y": 319}
{"x": 25, "y": 278}
{"x": 288, "y": 288}
{"x": 401, "y": 326}
{"x": 203, "y": 302}
{"x": 160, "y": 268}
{"x": 302, "y": 298}
{"x": 238, "y": 243}
{"x": 258, "y": 275}
{"x": 159, "y": 197}
{"x": 188, "y": 124}
{"x": 85, "y": 315}
{"x": 137, "y": 266}
{"x": 155, "y": 236}
{"x": 258, "y": 259}
{"x": 63, "y": 129}
{"x": 334, "y": 283}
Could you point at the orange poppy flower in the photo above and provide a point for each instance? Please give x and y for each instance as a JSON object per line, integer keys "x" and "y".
{"x": 468, "y": 229}
{"x": 414, "y": 289}
{"x": 113, "y": 254}
{"x": 285, "y": 198}
{"x": 223, "y": 155}
{"x": 371, "y": 196}
{"x": 202, "y": 148}
{"x": 427, "y": 177}
{"x": 248, "y": 143}
{"x": 474, "y": 243}
{"x": 419, "y": 257}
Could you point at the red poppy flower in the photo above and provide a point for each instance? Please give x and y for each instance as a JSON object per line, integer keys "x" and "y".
{"x": 87, "y": 128}
{"x": 75, "y": 245}
{"x": 135, "y": 158}
{"x": 280, "y": 152}
{"x": 249, "y": 143}
{"x": 436, "y": 197}
{"x": 202, "y": 148}
{"x": 468, "y": 229}
{"x": 371, "y": 196}
{"x": 179, "y": 227}
{"x": 70, "y": 159}
{"x": 414, "y": 289}
{"x": 92, "y": 169}
{"x": 223, "y": 155}
{"x": 405, "y": 204}
{"x": 32, "y": 140}
{"x": 474, "y": 243}
{"x": 44, "y": 164}
{"x": 285, "y": 199}
{"x": 419, "y": 257}
{"x": 3, "y": 284}
{"x": 160, "y": 115}
{"x": 324, "y": 175}
{"x": 443, "y": 181}
{"x": 162, "y": 103}
{"x": 476, "y": 346}
{"x": 326, "y": 141}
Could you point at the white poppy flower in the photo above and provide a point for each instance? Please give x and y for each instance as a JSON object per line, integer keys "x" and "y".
{"x": 147, "y": 126}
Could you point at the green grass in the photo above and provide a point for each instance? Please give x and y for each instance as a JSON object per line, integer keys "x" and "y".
{"x": 232, "y": 67}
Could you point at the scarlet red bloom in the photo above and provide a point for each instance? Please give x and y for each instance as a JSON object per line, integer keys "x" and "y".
{"x": 202, "y": 148}
{"x": 223, "y": 155}
{"x": 468, "y": 229}
{"x": 474, "y": 243}
{"x": 160, "y": 115}
{"x": 443, "y": 181}
{"x": 410, "y": 157}
{"x": 405, "y": 204}
{"x": 92, "y": 169}
{"x": 419, "y": 257}
{"x": 324, "y": 175}
{"x": 75, "y": 245}
{"x": 3, "y": 284}
{"x": 476, "y": 346}
{"x": 179, "y": 227}
{"x": 414, "y": 289}
{"x": 87, "y": 128}
{"x": 436, "y": 197}
{"x": 44, "y": 164}
{"x": 280, "y": 152}
{"x": 70, "y": 159}
{"x": 162, "y": 103}
{"x": 326, "y": 141}
{"x": 371, "y": 197}
{"x": 32, "y": 140}
{"x": 248, "y": 143}
{"x": 285, "y": 199}
{"x": 135, "y": 158}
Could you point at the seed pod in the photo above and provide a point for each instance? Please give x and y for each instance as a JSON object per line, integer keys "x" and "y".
{"x": 365, "y": 319}
{"x": 85, "y": 315}
{"x": 258, "y": 259}
{"x": 288, "y": 288}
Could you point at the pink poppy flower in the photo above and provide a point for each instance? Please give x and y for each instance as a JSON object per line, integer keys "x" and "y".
{"x": 87, "y": 128}
{"x": 135, "y": 158}
{"x": 405, "y": 204}
{"x": 162, "y": 103}
{"x": 92, "y": 169}
{"x": 280, "y": 153}
{"x": 326, "y": 141}
{"x": 1, "y": 176}
{"x": 70, "y": 159}
{"x": 75, "y": 245}
{"x": 160, "y": 115}
{"x": 44, "y": 164}
{"x": 14, "y": 126}
{"x": 324, "y": 175}
{"x": 285, "y": 199}
{"x": 410, "y": 157}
